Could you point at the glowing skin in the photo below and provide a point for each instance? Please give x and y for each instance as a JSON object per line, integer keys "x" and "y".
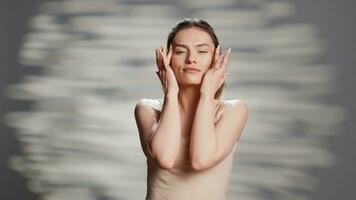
{"x": 194, "y": 48}
{"x": 189, "y": 138}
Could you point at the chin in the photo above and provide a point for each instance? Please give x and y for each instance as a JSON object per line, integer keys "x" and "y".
{"x": 196, "y": 82}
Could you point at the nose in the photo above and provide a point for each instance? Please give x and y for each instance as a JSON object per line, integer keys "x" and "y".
{"x": 191, "y": 58}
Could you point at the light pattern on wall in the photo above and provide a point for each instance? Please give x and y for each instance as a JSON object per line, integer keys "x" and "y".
{"x": 97, "y": 59}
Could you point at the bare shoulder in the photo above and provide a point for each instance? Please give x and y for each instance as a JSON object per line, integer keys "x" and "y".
{"x": 150, "y": 107}
{"x": 236, "y": 106}
{"x": 234, "y": 117}
{"x": 235, "y": 102}
{"x": 149, "y": 103}
{"x": 146, "y": 119}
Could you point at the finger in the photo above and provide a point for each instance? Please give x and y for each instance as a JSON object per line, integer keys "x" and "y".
{"x": 216, "y": 56}
{"x": 165, "y": 81}
{"x": 163, "y": 59}
{"x": 222, "y": 58}
{"x": 169, "y": 56}
{"x": 222, "y": 80}
{"x": 218, "y": 63}
{"x": 157, "y": 59}
{"x": 161, "y": 47}
{"x": 225, "y": 60}
{"x": 156, "y": 56}
{"x": 161, "y": 77}
{"x": 162, "y": 54}
{"x": 165, "y": 51}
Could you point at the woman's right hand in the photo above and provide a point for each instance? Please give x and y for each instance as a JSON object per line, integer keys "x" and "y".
{"x": 165, "y": 72}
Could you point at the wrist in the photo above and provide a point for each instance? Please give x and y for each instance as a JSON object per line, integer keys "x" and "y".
{"x": 207, "y": 97}
{"x": 171, "y": 95}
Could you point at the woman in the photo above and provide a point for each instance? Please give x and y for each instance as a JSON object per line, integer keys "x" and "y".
{"x": 189, "y": 137}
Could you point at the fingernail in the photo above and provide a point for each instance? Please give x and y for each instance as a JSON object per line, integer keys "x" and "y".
{"x": 229, "y": 50}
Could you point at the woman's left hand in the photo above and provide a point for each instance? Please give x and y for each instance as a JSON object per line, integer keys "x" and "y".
{"x": 215, "y": 76}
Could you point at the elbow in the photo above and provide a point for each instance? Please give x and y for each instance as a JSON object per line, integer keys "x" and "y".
{"x": 199, "y": 164}
{"x": 165, "y": 163}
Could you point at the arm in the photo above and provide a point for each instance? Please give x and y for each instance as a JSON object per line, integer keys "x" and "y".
{"x": 164, "y": 143}
{"x": 160, "y": 140}
{"x": 211, "y": 143}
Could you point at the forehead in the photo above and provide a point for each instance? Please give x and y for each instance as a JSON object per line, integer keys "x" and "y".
{"x": 192, "y": 37}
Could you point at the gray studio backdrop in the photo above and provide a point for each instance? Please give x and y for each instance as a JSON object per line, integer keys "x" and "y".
{"x": 72, "y": 71}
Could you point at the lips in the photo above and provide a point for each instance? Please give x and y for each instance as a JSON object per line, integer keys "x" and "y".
{"x": 191, "y": 70}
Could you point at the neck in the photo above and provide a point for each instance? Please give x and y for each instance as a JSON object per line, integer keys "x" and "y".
{"x": 188, "y": 99}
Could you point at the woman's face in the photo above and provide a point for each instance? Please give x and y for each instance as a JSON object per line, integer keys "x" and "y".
{"x": 192, "y": 48}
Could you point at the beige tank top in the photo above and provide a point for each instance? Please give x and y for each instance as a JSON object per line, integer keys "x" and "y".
{"x": 184, "y": 183}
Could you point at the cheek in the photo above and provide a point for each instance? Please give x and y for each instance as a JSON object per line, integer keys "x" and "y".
{"x": 176, "y": 61}
{"x": 207, "y": 61}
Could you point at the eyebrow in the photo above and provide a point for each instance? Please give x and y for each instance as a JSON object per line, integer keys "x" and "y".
{"x": 198, "y": 45}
